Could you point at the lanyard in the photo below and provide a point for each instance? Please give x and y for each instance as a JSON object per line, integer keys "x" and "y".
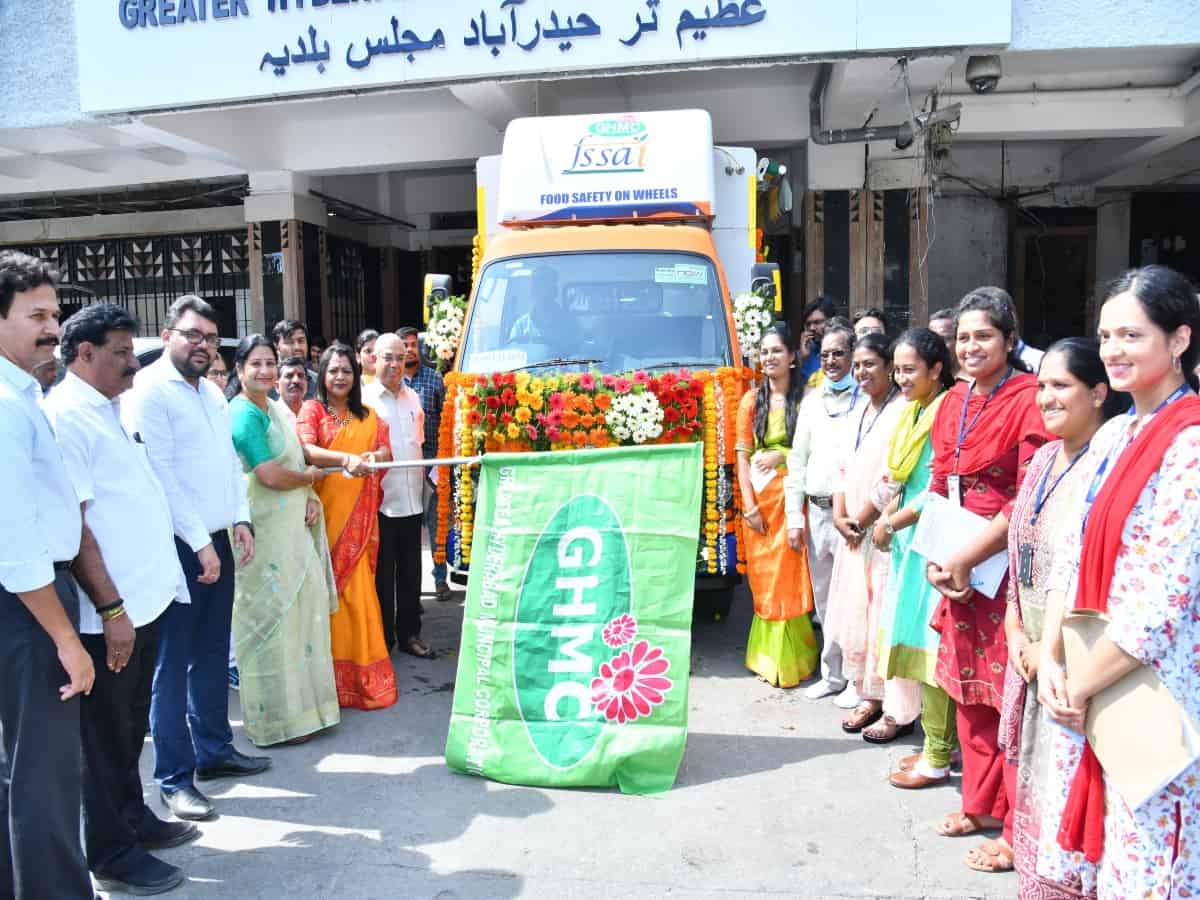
{"x": 962, "y": 419}
{"x": 858, "y": 439}
{"x": 1042, "y": 498}
{"x": 838, "y": 415}
{"x": 1098, "y": 480}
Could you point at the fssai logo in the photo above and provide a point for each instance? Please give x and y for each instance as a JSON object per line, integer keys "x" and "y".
{"x": 611, "y": 145}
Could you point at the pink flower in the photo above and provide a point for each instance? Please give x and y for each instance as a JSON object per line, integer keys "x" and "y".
{"x": 587, "y": 381}
{"x": 631, "y": 684}
{"x": 640, "y": 377}
{"x": 685, "y": 374}
{"x": 553, "y": 434}
{"x": 620, "y": 631}
{"x": 623, "y": 385}
{"x": 557, "y": 401}
{"x": 609, "y": 380}
{"x": 555, "y": 418}
{"x": 531, "y": 432}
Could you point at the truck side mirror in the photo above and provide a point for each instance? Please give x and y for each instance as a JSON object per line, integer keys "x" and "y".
{"x": 437, "y": 287}
{"x": 766, "y": 280}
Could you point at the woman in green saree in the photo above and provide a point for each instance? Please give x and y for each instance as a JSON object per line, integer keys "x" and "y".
{"x": 284, "y": 596}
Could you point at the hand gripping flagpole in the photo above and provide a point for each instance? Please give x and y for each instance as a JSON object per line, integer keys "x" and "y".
{"x": 413, "y": 463}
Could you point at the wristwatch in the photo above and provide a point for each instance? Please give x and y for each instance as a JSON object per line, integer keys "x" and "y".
{"x": 249, "y": 526}
{"x": 887, "y": 525}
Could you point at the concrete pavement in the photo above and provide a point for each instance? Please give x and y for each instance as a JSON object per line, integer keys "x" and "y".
{"x": 772, "y": 800}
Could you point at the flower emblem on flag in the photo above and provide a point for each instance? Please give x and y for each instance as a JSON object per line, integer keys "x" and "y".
{"x": 620, "y": 631}
{"x": 632, "y": 683}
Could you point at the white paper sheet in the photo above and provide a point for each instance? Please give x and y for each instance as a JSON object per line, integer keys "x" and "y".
{"x": 944, "y": 528}
{"x": 758, "y": 478}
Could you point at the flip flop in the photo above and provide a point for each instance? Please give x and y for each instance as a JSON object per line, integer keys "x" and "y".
{"x": 415, "y": 647}
{"x": 863, "y": 715}
{"x": 961, "y": 824}
{"x": 990, "y": 856}
{"x": 890, "y": 731}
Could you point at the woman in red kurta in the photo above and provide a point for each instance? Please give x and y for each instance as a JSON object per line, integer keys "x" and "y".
{"x": 980, "y": 456}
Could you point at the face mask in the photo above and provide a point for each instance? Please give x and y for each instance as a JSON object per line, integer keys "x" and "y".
{"x": 843, "y": 384}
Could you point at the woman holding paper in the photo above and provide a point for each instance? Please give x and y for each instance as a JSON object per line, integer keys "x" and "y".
{"x": 1075, "y": 400}
{"x": 337, "y": 429}
{"x": 782, "y": 648}
{"x": 1139, "y": 563}
{"x": 984, "y": 436}
{"x": 860, "y": 569}
{"x": 908, "y": 646}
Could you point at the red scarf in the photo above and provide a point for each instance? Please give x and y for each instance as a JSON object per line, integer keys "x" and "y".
{"x": 1082, "y": 826}
{"x": 1011, "y": 417}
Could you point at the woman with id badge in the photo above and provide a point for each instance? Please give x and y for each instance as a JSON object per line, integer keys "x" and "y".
{"x": 985, "y": 433}
{"x": 1075, "y": 400}
{"x": 1136, "y": 560}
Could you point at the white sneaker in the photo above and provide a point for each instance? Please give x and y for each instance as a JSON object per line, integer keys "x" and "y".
{"x": 820, "y": 690}
{"x": 847, "y": 699}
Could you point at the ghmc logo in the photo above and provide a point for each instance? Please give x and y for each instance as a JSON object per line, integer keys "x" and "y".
{"x": 610, "y": 145}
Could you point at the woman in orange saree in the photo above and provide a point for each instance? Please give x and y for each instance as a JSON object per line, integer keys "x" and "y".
{"x": 337, "y": 430}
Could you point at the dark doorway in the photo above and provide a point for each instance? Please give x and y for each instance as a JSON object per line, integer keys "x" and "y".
{"x": 1165, "y": 229}
{"x": 1054, "y": 277}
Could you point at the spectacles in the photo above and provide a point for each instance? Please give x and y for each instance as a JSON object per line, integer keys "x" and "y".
{"x": 833, "y": 354}
{"x": 194, "y": 336}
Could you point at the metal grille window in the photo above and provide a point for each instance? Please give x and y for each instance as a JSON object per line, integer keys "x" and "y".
{"x": 146, "y": 274}
{"x": 347, "y": 288}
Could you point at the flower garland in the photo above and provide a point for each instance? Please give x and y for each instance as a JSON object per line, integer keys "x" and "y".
{"x": 722, "y": 487}
{"x": 444, "y": 332}
{"x": 465, "y": 484}
{"x": 752, "y": 315}
{"x": 446, "y": 448}
{"x": 711, "y": 466}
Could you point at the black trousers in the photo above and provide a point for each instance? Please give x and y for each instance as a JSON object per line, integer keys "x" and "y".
{"x": 116, "y": 720}
{"x": 40, "y": 772}
{"x": 398, "y": 577}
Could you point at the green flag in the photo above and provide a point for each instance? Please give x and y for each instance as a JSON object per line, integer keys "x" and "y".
{"x": 576, "y": 639}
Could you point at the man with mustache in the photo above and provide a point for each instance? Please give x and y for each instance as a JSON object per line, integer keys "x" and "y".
{"x": 292, "y": 386}
{"x": 43, "y": 666}
{"x": 132, "y": 575}
{"x": 183, "y": 420}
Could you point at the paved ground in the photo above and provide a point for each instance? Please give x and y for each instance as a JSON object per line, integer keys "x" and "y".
{"x": 772, "y": 800}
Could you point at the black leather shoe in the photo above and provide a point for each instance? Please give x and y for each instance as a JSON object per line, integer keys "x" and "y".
{"x": 188, "y": 803}
{"x": 163, "y": 835}
{"x": 150, "y": 876}
{"x": 237, "y": 765}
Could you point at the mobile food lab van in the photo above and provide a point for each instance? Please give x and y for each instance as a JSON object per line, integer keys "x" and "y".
{"x": 602, "y": 310}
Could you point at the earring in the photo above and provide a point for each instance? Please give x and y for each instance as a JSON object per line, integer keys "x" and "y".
{"x": 1177, "y": 364}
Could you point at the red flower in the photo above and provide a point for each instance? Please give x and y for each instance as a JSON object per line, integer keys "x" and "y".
{"x": 508, "y": 397}
{"x": 623, "y": 385}
{"x": 587, "y": 381}
{"x": 655, "y": 385}
{"x": 531, "y": 432}
{"x": 620, "y": 631}
{"x": 474, "y": 417}
{"x": 668, "y": 380}
{"x": 691, "y": 409}
{"x": 506, "y": 418}
{"x": 640, "y": 377}
{"x": 671, "y": 414}
{"x": 481, "y": 381}
{"x": 497, "y": 379}
{"x": 491, "y": 420}
{"x": 697, "y": 390}
{"x": 510, "y": 379}
{"x": 680, "y": 394}
{"x": 492, "y": 402}
{"x": 631, "y": 684}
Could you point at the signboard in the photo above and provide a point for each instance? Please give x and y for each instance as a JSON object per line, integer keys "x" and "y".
{"x": 156, "y": 54}
{"x": 573, "y": 670}
{"x": 623, "y": 166}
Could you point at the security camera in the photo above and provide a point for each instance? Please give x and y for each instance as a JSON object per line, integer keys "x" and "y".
{"x": 983, "y": 73}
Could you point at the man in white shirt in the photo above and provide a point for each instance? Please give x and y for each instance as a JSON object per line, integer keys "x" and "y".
{"x": 292, "y": 386}
{"x": 134, "y": 577}
{"x": 43, "y": 666}
{"x": 398, "y": 572}
{"x": 183, "y": 420}
{"x": 811, "y": 465}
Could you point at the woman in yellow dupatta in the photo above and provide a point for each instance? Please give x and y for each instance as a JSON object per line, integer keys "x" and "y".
{"x": 337, "y": 430}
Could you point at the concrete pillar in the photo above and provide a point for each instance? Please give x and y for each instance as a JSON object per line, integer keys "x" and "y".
{"x": 814, "y": 245}
{"x": 292, "y": 246}
{"x": 258, "y": 313}
{"x": 1112, "y": 248}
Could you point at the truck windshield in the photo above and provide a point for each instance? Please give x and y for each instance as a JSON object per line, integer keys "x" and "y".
{"x": 615, "y": 311}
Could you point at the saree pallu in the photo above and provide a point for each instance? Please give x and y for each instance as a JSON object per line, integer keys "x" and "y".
{"x": 364, "y": 673}
{"x": 283, "y": 599}
{"x": 782, "y": 647}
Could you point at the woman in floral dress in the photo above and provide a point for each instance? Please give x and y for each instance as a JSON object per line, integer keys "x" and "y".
{"x": 1138, "y": 561}
{"x": 1075, "y": 400}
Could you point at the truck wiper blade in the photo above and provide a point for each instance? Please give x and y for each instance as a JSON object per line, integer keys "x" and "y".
{"x": 547, "y": 363}
{"x": 678, "y": 365}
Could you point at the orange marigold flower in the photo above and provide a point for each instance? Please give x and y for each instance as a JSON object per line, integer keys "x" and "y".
{"x": 583, "y": 403}
{"x": 598, "y": 418}
{"x": 586, "y": 421}
{"x": 603, "y": 402}
{"x": 570, "y": 419}
{"x": 580, "y": 438}
{"x": 599, "y": 437}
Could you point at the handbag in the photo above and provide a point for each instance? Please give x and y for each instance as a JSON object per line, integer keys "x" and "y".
{"x": 1140, "y": 734}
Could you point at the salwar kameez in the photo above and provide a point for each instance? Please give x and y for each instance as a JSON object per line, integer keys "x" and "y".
{"x": 781, "y": 647}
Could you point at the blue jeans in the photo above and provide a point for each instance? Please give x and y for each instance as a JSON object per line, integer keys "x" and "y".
{"x": 189, "y": 707}
{"x": 439, "y": 569}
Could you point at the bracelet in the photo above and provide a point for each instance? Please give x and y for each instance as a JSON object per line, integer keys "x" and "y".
{"x": 112, "y": 612}
{"x": 100, "y": 610}
{"x": 749, "y": 512}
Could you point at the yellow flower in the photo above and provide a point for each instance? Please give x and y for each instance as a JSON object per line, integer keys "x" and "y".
{"x": 514, "y": 430}
{"x": 523, "y": 379}
{"x": 536, "y": 385}
{"x": 522, "y": 415}
{"x": 552, "y": 383}
{"x": 536, "y": 402}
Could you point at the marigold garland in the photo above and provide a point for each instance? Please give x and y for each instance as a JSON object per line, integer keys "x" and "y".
{"x": 710, "y": 477}
{"x": 445, "y": 450}
{"x": 466, "y": 484}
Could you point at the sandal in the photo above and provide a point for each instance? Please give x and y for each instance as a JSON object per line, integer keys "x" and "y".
{"x": 961, "y": 824}
{"x": 414, "y": 647}
{"x": 886, "y": 730}
{"x": 990, "y": 856}
{"x": 866, "y": 713}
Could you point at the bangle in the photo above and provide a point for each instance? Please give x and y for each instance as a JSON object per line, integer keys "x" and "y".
{"x": 751, "y": 511}
{"x": 112, "y": 612}
{"x": 100, "y": 610}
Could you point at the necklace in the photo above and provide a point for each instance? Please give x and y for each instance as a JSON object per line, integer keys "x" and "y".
{"x": 863, "y": 418}
{"x": 341, "y": 420}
